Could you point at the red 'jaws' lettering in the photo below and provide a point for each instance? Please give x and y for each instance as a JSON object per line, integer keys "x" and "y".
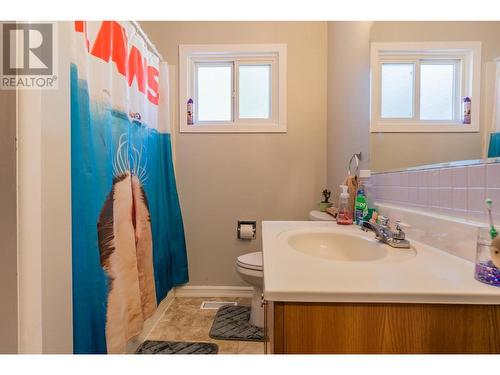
{"x": 153, "y": 93}
{"x": 111, "y": 43}
{"x": 136, "y": 69}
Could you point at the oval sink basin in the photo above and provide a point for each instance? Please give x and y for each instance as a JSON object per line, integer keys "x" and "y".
{"x": 336, "y": 246}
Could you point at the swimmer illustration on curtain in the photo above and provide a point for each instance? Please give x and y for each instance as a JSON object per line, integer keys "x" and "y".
{"x": 125, "y": 245}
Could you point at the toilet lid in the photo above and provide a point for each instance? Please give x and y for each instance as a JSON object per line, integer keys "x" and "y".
{"x": 316, "y": 215}
{"x": 251, "y": 261}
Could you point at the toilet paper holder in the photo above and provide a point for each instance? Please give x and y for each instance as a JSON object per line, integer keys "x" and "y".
{"x": 253, "y": 223}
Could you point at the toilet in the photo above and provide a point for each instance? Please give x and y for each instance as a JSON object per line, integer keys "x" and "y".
{"x": 249, "y": 267}
{"x": 316, "y": 215}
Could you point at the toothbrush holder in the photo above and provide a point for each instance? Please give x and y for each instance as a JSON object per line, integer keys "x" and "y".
{"x": 485, "y": 270}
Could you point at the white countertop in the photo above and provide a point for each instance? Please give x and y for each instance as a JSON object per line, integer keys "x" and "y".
{"x": 432, "y": 276}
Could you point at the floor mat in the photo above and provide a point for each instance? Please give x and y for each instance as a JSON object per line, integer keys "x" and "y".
{"x": 232, "y": 323}
{"x": 177, "y": 347}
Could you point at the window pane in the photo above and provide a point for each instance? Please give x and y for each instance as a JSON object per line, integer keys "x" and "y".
{"x": 214, "y": 93}
{"x": 436, "y": 91}
{"x": 397, "y": 91}
{"x": 255, "y": 91}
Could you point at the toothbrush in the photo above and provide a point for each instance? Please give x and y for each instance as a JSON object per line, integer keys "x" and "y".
{"x": 493, "y": 231}
{"x": 495, "y": 239}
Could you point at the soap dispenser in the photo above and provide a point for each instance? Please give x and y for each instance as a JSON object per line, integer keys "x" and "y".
{"x": 344, "y": 216}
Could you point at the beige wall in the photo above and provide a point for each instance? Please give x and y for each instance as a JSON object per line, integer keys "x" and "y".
{"x": 8, "y": 223}
{"x": 348, "y": 97}
{"x": 44, "y": 206}
{"x": 397, "y": 150}
{"x": 225, "y": 177}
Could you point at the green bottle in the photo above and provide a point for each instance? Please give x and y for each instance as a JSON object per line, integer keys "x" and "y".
{"x": 361, "y": 206}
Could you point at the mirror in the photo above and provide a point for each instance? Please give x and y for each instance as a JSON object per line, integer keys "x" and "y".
{"x": 435, "y": 98}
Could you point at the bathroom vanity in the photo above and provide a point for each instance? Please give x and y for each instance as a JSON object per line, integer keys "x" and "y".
{"x": 376, "y": 328}
{"x": 336, "y": 289}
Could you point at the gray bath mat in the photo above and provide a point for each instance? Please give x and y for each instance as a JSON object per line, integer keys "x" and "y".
{"x": 177, "y": 347}
{"x": 232, "y": 323}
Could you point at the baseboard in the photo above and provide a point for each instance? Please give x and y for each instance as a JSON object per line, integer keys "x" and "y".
{"x": 214, "y": 291}
{"x": 150, "y": 323}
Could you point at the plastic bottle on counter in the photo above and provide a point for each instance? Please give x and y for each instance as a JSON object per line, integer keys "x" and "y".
{"x": 344, "y": 217}
{"x": 363, "y": 200}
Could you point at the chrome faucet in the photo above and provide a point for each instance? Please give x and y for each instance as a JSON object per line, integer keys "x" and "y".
{"x": 385, "y": 234}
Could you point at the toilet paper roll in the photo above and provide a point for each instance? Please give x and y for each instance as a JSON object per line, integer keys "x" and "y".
{"x": 246, "y": 231}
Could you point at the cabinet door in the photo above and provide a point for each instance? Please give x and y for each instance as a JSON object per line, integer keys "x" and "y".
{"x": 370, "y": 328}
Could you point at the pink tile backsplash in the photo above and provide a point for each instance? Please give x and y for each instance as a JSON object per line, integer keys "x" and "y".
{"x": 423, "y": 197}
{"x": 459, "y": 199}
{"x": 493, "y": 175}
{"x": 459, "y": 191}
{"x": 475, "y": 199}
{"x": 404, "y": 179}
{"x": 433, "y": 178}
{"x": 459, "y": 177}
{"x": 422, "y": 179}
{"x": 476, "y": 176}
{"x": 445, "y": 198}
{"x": 413, "y": 179}
{"x": 394, "y": 179}
{"x": 434, "y": 197}
{"x": 404, "y": 194}
{"x": 445, "y": 177}
{"x": 495, "y": 195}
{"x": 413, "y": 196}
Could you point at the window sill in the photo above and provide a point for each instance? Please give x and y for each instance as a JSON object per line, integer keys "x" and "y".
{"x": 234, "y": 128}
{"x": 424, "y": 128}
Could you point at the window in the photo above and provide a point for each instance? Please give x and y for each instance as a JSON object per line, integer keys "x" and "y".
{"x": 419, "y": 87}
{"x": 255, "y": 91}
{"x": 214, "y": 92}
{"x": 439, "y": 90}
{"x": 397, "y": 90}
{"x": 233, "y": 88}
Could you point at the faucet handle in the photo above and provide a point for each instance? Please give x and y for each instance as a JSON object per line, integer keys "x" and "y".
{"x": 400, "y": 225}
{"x": 384, "y": 220}
{"x": 400, "y": 234}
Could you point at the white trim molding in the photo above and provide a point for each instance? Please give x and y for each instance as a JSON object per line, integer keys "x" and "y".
{"x": 467, "y": 83}
{"x": 274, "y": 55}
{"x": 214, "y": 291}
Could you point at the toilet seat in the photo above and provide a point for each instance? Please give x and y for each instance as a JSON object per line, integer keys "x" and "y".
{"x": 251, "y": 261}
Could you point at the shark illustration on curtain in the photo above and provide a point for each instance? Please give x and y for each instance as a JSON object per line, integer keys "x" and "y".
{"x": 128, "y": 236}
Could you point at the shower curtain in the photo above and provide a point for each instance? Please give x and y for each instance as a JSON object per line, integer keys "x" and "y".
{"x": 494, "y": 134}
{"x": 128, "y": 237}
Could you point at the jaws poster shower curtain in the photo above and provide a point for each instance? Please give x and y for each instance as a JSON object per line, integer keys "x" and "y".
{"x": 128, "y": 236}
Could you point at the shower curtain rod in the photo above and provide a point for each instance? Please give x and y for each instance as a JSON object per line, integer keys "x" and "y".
{"x": 146, "y": 38}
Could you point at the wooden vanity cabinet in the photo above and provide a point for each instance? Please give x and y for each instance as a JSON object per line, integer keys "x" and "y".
{"x": 381, "y": 328}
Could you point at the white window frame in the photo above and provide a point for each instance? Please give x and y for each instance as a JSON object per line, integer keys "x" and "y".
{"x": 467, "y": 56}
{"x": 190, "y": 55}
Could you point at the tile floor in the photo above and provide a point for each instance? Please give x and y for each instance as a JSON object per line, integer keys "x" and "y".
{"x": 185, "y": 321}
